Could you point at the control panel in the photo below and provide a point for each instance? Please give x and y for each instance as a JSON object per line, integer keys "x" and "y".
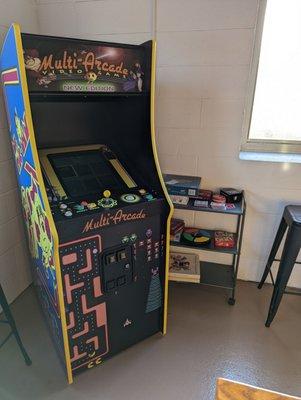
{"x": 69, "y": 208}
{"x": 88, "y": 179}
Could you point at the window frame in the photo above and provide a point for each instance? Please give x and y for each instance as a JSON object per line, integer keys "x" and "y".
{"x": 260, "y": 145}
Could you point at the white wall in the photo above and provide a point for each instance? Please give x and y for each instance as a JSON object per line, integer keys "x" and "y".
{"x": 128, "y": 21}
{"x": 204, "y": 55}
{"x": 14, "y": 263}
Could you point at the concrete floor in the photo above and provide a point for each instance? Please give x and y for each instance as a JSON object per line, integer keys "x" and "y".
{"x": 207, "y": 339}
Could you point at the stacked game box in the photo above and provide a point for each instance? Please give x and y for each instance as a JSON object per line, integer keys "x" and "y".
{"x": 223, "y": 239}
{"x": 176, "y": 228}
{"x": 203, "y": 198}
{"x": 182, "y": 185}
{"x": 185, "y": 190}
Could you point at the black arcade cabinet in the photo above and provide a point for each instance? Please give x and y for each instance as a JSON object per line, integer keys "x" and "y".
{"x": 96, "y": 193}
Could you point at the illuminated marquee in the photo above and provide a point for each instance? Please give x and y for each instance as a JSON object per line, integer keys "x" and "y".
{"x": 75, "y": 67}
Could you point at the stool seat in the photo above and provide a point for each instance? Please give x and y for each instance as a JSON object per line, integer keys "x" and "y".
{"x": 290, "y": 221}
{"x": 292, "y": 215}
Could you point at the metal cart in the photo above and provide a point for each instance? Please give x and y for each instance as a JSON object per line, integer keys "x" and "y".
{"x": 216, "y": 274}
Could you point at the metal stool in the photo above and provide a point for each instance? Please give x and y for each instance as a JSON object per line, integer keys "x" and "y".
{"x": 291, "y": 219}
{"x": 10, "y": 320}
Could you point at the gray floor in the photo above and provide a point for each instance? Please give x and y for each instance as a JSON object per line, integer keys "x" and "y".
{"x": 206, "y": 339}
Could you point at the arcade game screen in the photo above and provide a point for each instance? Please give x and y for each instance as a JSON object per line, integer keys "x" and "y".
{"x": 85, "y": 173}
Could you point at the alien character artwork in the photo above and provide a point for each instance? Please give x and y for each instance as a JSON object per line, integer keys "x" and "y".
{"x": 34, "y": 213}
{"x": 20, "y": 140}
{"x": 136, "y": 74}
{"x": 36, "y": 221}
{"x": 33, "y": 65}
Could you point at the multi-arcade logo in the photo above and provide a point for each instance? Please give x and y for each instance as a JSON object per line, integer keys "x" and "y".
{"x": 81, "y": 64}
{"x": 113, "y": 219}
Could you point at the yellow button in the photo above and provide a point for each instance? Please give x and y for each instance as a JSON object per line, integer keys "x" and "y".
{"x": 106, "y": 194}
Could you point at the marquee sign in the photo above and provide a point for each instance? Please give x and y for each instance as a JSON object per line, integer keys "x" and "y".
{"x": 69, "y": 65}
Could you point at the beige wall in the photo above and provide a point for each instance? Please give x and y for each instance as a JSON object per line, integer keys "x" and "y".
{"x": 14, "y": 265}
{"x": 204, "y": 55}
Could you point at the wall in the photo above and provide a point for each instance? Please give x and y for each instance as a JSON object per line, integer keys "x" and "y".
{"x": 14, "y": 262}
{"x": 204, "y": 55}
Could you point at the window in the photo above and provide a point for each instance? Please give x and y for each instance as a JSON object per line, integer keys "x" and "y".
{"x": 273, "y": 107}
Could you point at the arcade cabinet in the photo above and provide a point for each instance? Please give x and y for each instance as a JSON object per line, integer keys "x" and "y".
{"x": 97, "y": 214}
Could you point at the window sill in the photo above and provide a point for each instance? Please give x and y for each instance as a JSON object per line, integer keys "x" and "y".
{"x": 270, "y": 157}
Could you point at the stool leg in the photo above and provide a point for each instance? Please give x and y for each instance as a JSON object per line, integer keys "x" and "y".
{"x": 288, "y": 259}
{"x": 279, "y": 235}
{"x": 11, "y": 321}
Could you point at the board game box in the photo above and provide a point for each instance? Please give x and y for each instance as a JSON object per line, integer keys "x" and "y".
{"x": 184, "y": 267}
{"x": 182, "y": 185}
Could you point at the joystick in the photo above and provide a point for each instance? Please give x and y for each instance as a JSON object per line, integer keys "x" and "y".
{"x": 107, "y": 194}
{"x": 107, "y": 201}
